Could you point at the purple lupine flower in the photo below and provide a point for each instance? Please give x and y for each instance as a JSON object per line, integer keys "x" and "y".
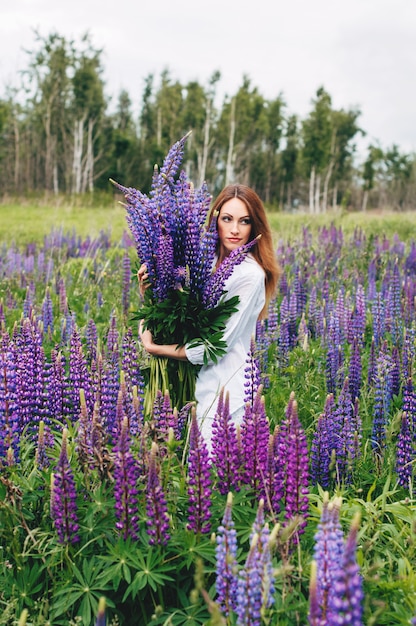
{"x": 335, "y": 356}
{"x": 41, "y": 458}
{"x": 379, "y": 319}
{"x": 284, "y": 333}
{"x": 226, "y": 557}
{"x": 125, "y": 299}
{"x": 79, "y": 376}
{"x": 199, "y": 481}
{"x": 101, "y": 620}
{"x": 355, "y": 369}
{"x": 328, "y": 550}
{"x": 108, "y": 394}
{"x": 255, "y": 431}
{"x": 344, "y": 434}
{"x": 272, "y": 488}
{"x": 382, "y": 401}
{"x": 92, "y": 341}
{"x": 292, "y": 319}
{"x": 346, "y": 597}
{"x": 409, "y": 403}
{"x": 126, "y": 476}
{"x": 251, "y": 374}
{"x": 405, "y": 452}
{"x": 47, "y": 313}
{"x": 314, "y": 615}
{"x": 358, "y": 322}
{"x": 225, "y": 452}
{"x": 63, "y": 497}
{"x": 157, "y": 522}
{"x": 58, "y": 394}
{"x": 214, "y": 287}
{"x": 323, "y": 444}
{"x": 163, "y": 415}
{"x": 293, "y": 458}
{"x": 372, "y": 364}
{"x": 249, "y": 589}
{"x": 9, "y": 398}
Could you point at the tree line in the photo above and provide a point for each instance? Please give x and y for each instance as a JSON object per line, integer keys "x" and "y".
{"x": 58, "y": 135}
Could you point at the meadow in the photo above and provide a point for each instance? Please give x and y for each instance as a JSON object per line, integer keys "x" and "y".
{"x": 100, "y": 499}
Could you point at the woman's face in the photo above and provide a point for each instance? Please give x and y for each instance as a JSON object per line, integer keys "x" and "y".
{"x": 234, "y": 226}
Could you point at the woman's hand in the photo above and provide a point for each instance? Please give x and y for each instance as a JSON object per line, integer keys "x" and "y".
{"x": 147, "y": 339}
{"x": 142, "y": 277}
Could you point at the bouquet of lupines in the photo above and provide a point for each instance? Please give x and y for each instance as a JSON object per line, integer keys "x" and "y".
{"x": 186, "y": 302}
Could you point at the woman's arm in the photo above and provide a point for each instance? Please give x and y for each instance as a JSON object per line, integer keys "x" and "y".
{"x": 172, "y": 351}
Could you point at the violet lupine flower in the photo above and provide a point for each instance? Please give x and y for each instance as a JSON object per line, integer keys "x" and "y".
{"x": 163, "y": 415}
{"x": 255, "y": 431}
{"x": 251, "y": 374}
{"x": 382, "y": 401}
{"x": 344, "y": 431}
{"x": 41, "y": 458}
{"x": 409, "y": 403}
{"x": 47, "y": 313}
{"x": 292, "y": 319}
{"x": 328, "y": 550}
{"x": 346, "y": 596}
{"x": 314, "y": 615}
{"x": 355, "y": 369}
{"x": 323, "y": 445}
{"x": 101, "y": 619}
{"x": 92, "y": 341}
{"x": 293, "y": 458}
{"x": 79, "y": 376}
{"x": 226, "y": 557}
{"x": 249, "y": 589}
{"x": 272, "y": 488}
{"x": 405, "y": 452}
{"x": 214, "y": 287}
{"x": 126, "y": 476}
{"x": 335, "y": 357}
{"x": 9, "y": 398}
{"x": 125, "y": 299}
{"x": 225, "y": 453}
{"x": 63, "y": 497}
{"x": 358, "y": 321}
{"x": 379, "y": 319}
{"x": 108, "y": 395}
{"x": 372, "y": 364}
{"x": 157, "y": 522}
{"x": 199, "y": 481}
{"x": 284, "y": 333}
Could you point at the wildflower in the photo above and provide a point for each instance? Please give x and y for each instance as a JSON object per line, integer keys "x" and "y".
{"x": 199, "y": 481}
{"x": 63, "y": 497}
{"x": 405, "y": 452}
{"x": 346, "y": 597}
{"x": 157, "y": 522}
{"x": 225, "y": 452}
{"x": 226, "y": 557}
{"x": 126, "y": 476}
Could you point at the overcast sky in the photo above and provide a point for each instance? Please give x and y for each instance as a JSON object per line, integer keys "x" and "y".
{"x": 362, "y": 51}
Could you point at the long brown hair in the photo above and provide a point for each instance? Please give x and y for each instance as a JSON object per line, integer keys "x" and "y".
{"x": 263, "y": 250}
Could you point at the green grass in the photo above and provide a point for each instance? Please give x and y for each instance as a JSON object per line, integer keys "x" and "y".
{"x": 27, "y": 221}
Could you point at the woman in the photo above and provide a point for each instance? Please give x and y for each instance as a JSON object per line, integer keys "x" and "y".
{"x": 240, "y": 218}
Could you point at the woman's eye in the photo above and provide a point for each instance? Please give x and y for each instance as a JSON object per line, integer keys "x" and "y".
{"x": 246, "y": 221}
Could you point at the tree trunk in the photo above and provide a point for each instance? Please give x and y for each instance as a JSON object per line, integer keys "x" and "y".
{"x": 334, "y": 197}
{"x": 318, "y": 194}
{"x": 326, "y": 184}
{"x": 311, "y": 190}
{"x": 365, "y": 200}
{"x": 207, "y": 126}
{"x": 230, "y": 156}
{"x": 77, "y": 161}
{"x": 16, "y": 154}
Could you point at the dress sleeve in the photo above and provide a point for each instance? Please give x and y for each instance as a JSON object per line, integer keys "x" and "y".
{"x": 248, "y": 284}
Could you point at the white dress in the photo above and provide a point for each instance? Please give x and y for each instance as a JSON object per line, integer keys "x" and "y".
{"x": 248, "y": 282}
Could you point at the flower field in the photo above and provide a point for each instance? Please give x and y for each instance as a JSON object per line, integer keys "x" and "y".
{"x": 306, "y": 515}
